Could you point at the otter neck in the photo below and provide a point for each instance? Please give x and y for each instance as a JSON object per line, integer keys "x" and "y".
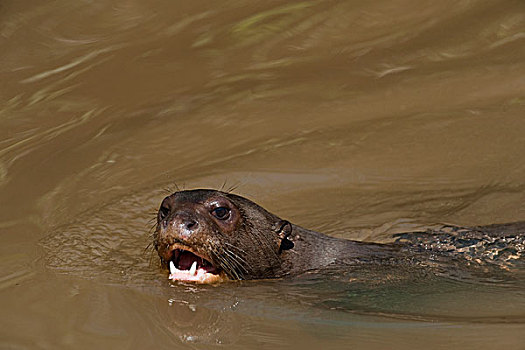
{"x": 313, "y": 250}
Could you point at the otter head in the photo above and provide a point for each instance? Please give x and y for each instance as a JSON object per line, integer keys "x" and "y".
{"x": 209, "y": 236}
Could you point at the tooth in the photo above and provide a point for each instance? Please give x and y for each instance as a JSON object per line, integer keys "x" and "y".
{"x": 173, "y": 269}
{"x": 193, "y": 269}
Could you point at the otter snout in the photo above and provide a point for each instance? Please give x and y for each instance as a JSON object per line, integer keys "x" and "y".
{"x": 183, "y": 224}
{"x": 180, "y": 225}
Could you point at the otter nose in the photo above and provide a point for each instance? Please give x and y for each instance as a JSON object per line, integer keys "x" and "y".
{"x": 184, "y": 225}
{"x": 190, "y": 224}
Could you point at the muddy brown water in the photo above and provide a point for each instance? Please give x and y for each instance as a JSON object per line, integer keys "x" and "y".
{"x": 358, "y": 119}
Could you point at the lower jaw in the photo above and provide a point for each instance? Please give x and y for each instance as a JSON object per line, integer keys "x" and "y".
{"x": 207, "y": 278}
{"x": 198, "y": 276}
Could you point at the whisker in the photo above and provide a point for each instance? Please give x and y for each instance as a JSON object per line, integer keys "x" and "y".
{"x": 151, "y": 249}
{"x": 233, "y": 255}
{"x": 236, "y": 259}
{"x": 227, "y": 266}
{"x": 152, "y": 256}
{"x": 232, "y": 269}
{"x": 234, "y": 187}
{"x": 153, "y": 219}
{"x": 239, "y": 262}
{"x": 235, "y": 247}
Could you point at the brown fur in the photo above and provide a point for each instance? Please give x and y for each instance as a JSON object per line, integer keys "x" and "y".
{"x": 254, "y": 244}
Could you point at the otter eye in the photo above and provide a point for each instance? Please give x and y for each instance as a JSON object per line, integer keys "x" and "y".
{"x": 163, "y": 212}
{"x": 221, "y": 213}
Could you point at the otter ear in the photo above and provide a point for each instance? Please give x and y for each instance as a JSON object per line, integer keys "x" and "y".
{"x": 284, "y": 231}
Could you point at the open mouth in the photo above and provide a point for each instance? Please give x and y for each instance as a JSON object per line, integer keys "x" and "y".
{"x": 188, "y": 265}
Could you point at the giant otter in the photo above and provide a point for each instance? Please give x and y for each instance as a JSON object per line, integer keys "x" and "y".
{"x": 209, "y": 236}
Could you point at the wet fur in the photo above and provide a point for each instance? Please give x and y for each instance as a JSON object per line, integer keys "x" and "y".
{"x": 255, "y": 250}
{"x": 262, "y": 245}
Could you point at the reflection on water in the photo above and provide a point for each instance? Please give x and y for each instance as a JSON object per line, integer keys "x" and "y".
{"x": 360, "y": 120}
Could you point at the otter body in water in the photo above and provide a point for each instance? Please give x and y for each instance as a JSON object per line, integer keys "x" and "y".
{"x": 208, "y": 236}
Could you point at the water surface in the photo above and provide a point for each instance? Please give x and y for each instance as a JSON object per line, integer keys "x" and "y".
{"x": 357, "y": 119}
